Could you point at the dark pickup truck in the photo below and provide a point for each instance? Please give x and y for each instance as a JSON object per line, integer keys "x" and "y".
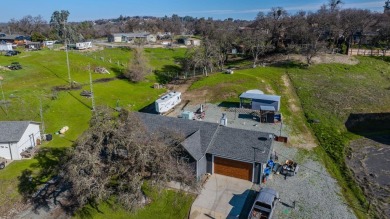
{"x": 264, "y": 205}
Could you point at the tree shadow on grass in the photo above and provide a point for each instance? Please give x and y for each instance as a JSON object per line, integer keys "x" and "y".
{"x": 118, "y": 71}
{"x": 167, "y": 73}
{"x": 40, "y": 184}
{"x": 289, "y": 64}
{"x": 86, "y": 105}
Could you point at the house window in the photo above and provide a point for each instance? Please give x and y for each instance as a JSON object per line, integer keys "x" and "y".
{"x": 2, "y": 146}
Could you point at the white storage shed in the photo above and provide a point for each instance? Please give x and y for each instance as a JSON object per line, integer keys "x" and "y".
{"x": 16, "y": 137}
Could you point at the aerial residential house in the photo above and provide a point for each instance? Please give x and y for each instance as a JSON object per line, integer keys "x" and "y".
{"x": 131, "y": 37}
{"x": 191, "y": 42}
{"x": 217, "y": 149}
{"x": 18, "y": 136}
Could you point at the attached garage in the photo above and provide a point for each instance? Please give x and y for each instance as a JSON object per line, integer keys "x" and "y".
{"x": 233, "y": 168}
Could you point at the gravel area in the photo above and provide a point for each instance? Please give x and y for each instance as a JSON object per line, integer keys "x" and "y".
{"x": 237, "y": 119}
{"x": 315, "y": 193}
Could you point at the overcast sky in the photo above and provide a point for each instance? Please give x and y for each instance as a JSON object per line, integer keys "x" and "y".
{"x": 218, "y": 9}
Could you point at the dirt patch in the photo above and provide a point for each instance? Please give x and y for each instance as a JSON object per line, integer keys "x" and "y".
{"x": 369, "y": 161}
{"x": 269, "y": 89}
{"x": 319, "y": 59}
{"x": 3, "y": 68}
{"x": 103, "y": 80}
{"x": 303, "y": 139}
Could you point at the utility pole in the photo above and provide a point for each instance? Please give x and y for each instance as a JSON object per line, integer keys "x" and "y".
{"x": 67, "y": 56}
{"x": 2, "y": 92}
{"x": 91, "y": 86}
{"x": 41, "y": 114}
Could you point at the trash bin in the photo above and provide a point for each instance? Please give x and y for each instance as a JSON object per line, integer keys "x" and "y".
{"x": 49, "y": 137}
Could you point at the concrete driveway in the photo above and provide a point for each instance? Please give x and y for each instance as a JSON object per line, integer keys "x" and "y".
{"x": 221, "y": 197}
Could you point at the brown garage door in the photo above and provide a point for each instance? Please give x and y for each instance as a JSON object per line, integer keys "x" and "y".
{"x": 233, "y": 168}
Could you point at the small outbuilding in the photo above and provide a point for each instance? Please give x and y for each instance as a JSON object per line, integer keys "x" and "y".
{"x": 17, "y": 137}
{"x": 257, "y": 100}
{"x": 33, "y": 45}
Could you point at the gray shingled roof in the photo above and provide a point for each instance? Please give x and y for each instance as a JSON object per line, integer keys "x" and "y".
{"x": 239, "y": 144}
{"x": 193, "y": 146}
{"x": 12, "y": 131}
{"x": 155, "y": 123}
{"x": 132, "y": 35}
{"x": 205, "y": 137}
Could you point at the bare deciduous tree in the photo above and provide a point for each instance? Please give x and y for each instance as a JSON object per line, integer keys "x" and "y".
{"x": 117, "y": 155}
{"x": 28, "y": 24}
{"x": 138, "y": 66}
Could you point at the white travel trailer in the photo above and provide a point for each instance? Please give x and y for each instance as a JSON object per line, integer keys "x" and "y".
{"x": 83, "y": 45}
{"x": 167, "y": 102}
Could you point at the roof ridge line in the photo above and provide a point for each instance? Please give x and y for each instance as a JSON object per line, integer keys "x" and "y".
{"x": 213, "y": 138}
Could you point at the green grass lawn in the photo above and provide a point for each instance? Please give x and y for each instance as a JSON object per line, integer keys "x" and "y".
{"x": 228, "y": 87}
{"x": 165, "y": 204}
{"x": 42, "y": 70}
{"x": 330, "y": 93}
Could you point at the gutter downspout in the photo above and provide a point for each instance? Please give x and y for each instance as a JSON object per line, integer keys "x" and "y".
{"x": 10, "y": 152}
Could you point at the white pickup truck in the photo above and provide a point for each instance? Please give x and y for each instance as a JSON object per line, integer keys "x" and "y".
{"x": 264, "y": 205}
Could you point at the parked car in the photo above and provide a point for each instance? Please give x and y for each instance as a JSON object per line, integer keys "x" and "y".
{"x": 2, "y": 165}
{"x": 12, "y": 53}
{"x": 264, "y": 205}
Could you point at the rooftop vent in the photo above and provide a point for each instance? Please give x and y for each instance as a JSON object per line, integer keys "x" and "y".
{"x": 223, "y": 120}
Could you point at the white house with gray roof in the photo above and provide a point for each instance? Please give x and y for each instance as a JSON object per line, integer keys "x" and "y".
{"x": 130, "y": 37}
{"x": 212, "y": 148}
{"x": 16, "y": 137}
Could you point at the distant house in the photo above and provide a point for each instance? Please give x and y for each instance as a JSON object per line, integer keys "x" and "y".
{"x": 33, "y": 45}
{"x": 214, "y": 148}
{"x": 8, "y": 38}
{"x": 130, "y": 37}
{"x": 15, "y": 39}
{"x": 16, "y": 137}
{"x": 191, "y": 42}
